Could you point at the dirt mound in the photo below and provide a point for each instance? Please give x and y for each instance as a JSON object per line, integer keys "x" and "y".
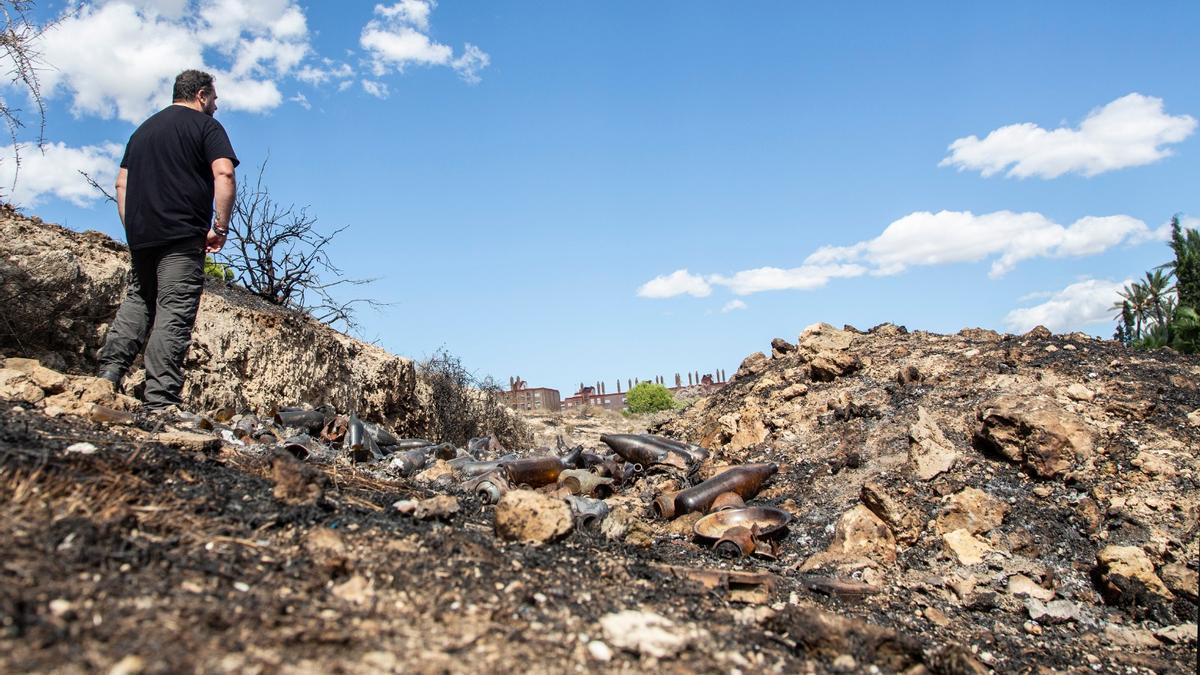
{"x": 60, "y": 288}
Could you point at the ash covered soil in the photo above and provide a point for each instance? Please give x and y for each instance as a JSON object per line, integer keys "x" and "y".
{"x": 962, "y": 503}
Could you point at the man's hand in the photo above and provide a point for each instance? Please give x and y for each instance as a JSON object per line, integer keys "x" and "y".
{"x": 215, "y": 241}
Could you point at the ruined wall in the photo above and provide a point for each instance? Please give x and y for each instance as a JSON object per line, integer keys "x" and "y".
{"x": 60, "y": 288}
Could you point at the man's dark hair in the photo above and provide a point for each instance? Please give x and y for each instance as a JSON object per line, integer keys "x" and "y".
{"x": 191, "y": 82}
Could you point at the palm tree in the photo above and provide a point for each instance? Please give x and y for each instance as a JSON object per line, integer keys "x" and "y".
{"x": 1133, "y": 301}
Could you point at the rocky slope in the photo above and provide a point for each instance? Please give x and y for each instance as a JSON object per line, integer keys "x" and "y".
{"x": 59, "y": 288}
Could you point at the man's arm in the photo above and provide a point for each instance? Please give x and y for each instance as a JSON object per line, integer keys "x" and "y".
{"x": 224, "y": 191}
{"x": 122, "y": 179}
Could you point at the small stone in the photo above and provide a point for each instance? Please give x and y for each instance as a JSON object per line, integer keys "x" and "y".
{"x": 1123, "y": 572}
{"x": 1153, "y": 464}
{"x": 60, "y": 607}
{"x": 130, "y": 665}
{"x": 1058, "y": 611}
{"x": 1183, "y": 634}
{"x": 1180, "y": 579}
{"x": 1032, "y": 627}
{"x": 532, "y": 517}
{"x": 929, "y": 450}
{"x": 600, "y": 651}
{"x": 1078, "y": 392}
{"x": 1021, "y": 586}
{"x": 81, "y": 449}
{"x": 645, "y": 633}
{"x": 186, "y": 440}
{"x": 1043, "y": 491}
{"x": 441, "y": 506}
{"x": 355, "y": 590}
{"x": 972, "y": 510}
{"x": 18, "y": 386}
{"x": 1051, "y": 348}
{"x": 1194, "y": 418}
{"x": 936, "y": 617}
{"x": 1121, "y": 636}
{"x": 844, "y": 664}
{"x": 966, "y": 547}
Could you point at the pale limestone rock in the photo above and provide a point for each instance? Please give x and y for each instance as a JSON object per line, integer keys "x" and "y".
{"x": 645, "y": 633}
{"x": 1078, "y": 392}
{"x": 51, "y": 381}
{"x": 531, "y": 517}
{"x": 1154, "y": 464}
{"x": 1180, "y": 579}
{"x": 1183, "y": 634}
{"x": 966, "y": 547}
{"x": 861, "y": 534}
{"x": 1058, "y": 611}
{"x": 1121, "y": 636}
{"x": 1035, "y": 433}
{"x": 18, "y": 386}
{"x": 827, "y": 366}
{"x": 972, "y": 510}
{"x": 822, "y": 337}
{"x": 904, "y": 523}
{"x": 1125, "y": 569}
{"x": 1021, "y": 586}
{"x": 929, "y": 450}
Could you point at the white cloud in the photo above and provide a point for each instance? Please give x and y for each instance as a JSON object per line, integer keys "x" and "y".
{"x": 55, "y": 172}
{"x": 1130, "y": 131}
{"x": 922, "y": 239}
{"x": 946, "y": 237}
{"x": 1081, "y": 304}
{"x": 679, "y": 282}
{"x": 326, "y": 71}
{"x": 301, "y": 100}
{"x": 119, "y": 58}
{"x": 376, "y": 88}
{"x": 806, "y": 277}
{"x": 399, "y": 37}
{"x": 732, "y": 306}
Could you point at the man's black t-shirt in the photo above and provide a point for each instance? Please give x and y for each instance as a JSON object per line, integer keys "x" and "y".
{"x": 169, "y": 189}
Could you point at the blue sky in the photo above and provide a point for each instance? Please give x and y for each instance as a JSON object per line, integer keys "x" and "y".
{"x": 519, "y": 174}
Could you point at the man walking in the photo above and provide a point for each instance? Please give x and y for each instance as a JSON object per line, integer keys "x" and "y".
{"x": 176, "y": 164}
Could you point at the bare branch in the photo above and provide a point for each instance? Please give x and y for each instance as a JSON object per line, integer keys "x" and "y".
{"x": 276, "y": 252}
{"x": 97, "y": 187}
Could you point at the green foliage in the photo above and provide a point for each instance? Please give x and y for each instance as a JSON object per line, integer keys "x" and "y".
{"x": 216, "y": 270}
{"x": 649, "y": 397}
{"x": 1155, "y": 312}
{"x": 1186, "y": 266}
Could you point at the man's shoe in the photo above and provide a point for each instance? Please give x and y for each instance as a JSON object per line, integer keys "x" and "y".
{"x": 111, "y": 374}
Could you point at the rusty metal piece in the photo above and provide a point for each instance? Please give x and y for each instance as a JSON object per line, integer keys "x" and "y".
{"x": 490, "y": 486}
{"x": 311, "y": 421}
{"x": 408, "y": 462}
{"x": 302, "y": 446}
{"x": 533, "y": 471}
{"x": 725, "y": 501}
{"x": 588, "y": 512}
{"x": 636, "y": 448}
{"x": 839, "y": 587}
{"x": 584, "y": 482}
{"x": 468, "y": 468}
{"x": 335, "y": 429}
{"x": 745, "y": 480}
{"x": 100, "y": 413}
{"x": 692, "y": 455}
{"x": 362, "y": 446}
{"x": 381, "y": 436}
{"x": 445, "y": 451}
{"x": 749, "y": 587}
{"x": 737, "y": 542}
{"x": 764, "y": 521}
{"x": 246, "y": 426}
{"x": 664, "y": 505}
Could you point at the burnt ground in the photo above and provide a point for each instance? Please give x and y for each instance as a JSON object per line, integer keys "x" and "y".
{"x": 176, "y": 560}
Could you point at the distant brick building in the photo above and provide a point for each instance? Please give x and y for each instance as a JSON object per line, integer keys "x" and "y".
{"x": 520, "y": 397}
{"x": 590, "y": 396}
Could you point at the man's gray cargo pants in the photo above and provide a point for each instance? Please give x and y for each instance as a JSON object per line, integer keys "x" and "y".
{"x": 165, "y": 284}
